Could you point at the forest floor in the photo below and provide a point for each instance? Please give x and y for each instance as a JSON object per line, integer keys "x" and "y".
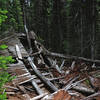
{"x": 42, "y": 77}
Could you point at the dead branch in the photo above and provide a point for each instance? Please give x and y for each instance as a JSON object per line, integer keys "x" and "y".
{"x": 73, "y": 65}
{"x": 70, "y": 83}
{"x": 62, "y": 64}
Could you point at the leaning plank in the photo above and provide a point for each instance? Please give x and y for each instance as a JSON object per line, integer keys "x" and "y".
{"x": 34, "y": 84}
{"x": 25, "y": 81}
{"x": 54, "y": 79}
{"x": 39, "y": 97}
{"x": 10, "y": 93}
{"x": 37, "y": 72}
{"x": 10, "y": 87}
{"x": 18, "y": 52}
{"x": 23, "y": 75}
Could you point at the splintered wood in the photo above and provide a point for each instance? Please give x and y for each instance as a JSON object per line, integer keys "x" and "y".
{"x": 44, "y": 75}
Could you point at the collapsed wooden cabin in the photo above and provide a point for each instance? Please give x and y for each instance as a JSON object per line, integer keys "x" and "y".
{"x": 44, "y": 75}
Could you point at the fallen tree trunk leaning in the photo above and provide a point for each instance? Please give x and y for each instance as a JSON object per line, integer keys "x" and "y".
{"x": 70, "y": 57}
{"x": 44, "y": 51}
{"x": 37, "y": 72}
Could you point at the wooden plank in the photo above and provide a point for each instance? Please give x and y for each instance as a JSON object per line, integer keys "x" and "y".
{"x": 39, "y": 97}
{"x": 18, "y": 52}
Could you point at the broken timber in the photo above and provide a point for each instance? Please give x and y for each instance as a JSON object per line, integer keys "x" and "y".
{"x": 70, "y": 57}
{"x": 37, "y": 72}
{"x": 45, "y": 52}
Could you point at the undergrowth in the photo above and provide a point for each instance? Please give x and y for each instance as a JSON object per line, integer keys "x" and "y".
{"x": 4, "y": 76}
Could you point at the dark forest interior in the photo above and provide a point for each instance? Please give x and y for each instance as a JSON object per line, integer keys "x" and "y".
{"x": 56, "y": 42}
{"x": 65, "y": 26}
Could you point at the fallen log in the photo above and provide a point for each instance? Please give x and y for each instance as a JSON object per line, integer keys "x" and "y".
{"x": 70, "y": 57}
{"x": 37, "y": 72}
{"x": 45, "y": 52}
{"x": 42, "y": 50}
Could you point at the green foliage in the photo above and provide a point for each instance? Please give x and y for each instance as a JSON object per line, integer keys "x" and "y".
{"x": 3, "y": 96}
{"x": 98, "y": 0}
{"x": 40, "y": 39}
{"x": 4, "y": 76}
{"x": 11, "y": 15}
{"x": 69, "y": 0}
{"x": 87, "y": 82}
{"x": 15, "y": 15}
{"x": 3, "y": 15}
{"x": 65, "y": 45}
{"x": 2, "y": 47}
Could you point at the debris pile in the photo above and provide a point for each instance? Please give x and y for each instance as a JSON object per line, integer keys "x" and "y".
{"x": 44, "y": 75}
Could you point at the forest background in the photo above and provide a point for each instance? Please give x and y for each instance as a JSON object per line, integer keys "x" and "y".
{"x": 71, "y": 27}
